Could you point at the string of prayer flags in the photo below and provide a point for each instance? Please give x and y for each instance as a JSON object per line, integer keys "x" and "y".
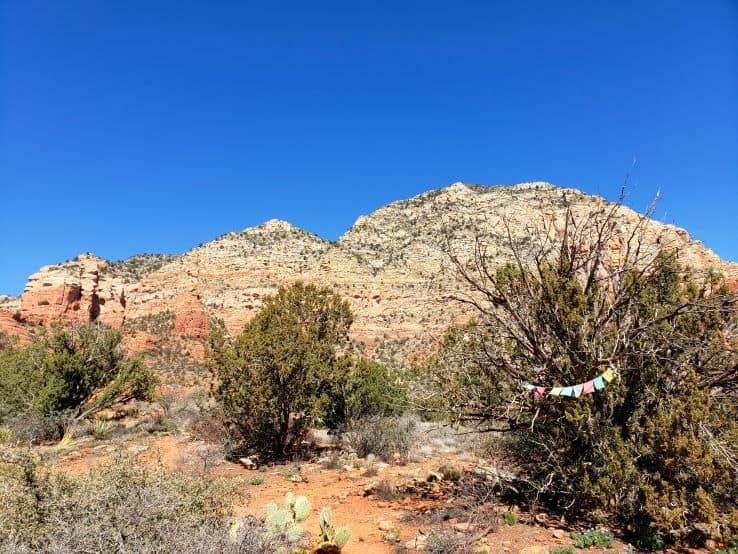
{"x": 574, "y": 391}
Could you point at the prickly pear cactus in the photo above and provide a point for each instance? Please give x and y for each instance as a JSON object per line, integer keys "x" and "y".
{"x": 330, "y": 536}
{"x": 342, "y": 536}
{"x": 301, "y": 508}
{"x": 287, "y": 520}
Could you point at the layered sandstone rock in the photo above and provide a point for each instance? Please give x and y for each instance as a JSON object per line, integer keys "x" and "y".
{"x": 392, "y": 265}
{"x": 74, "y": 292}
{"x": 10, "y": 326}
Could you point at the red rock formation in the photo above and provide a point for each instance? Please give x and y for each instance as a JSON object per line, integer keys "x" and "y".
{"x": 191, "y": 319}
{"x": 11, "y": 327}
{"x": 390, "y": 265}
{"x": 74, "y": 292}
{"x": 139, "y": 341}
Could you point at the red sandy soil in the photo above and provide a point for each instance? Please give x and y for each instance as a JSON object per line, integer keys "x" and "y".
{"x": 343, "y": 490}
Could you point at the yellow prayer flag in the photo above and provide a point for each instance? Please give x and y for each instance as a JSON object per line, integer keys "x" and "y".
{"x": 608, "y": 375}
{"x": 556, "y": 391}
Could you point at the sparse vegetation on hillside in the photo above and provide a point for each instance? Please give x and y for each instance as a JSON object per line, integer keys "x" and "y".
{"x": 137, "y": 267}
{"x": 159, "y": 324}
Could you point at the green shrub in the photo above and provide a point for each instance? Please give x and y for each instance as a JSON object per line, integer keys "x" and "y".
{"x": 100, "y": 429}
{"x": 29, "y": 428}
{"x": 657, "y": 448}
{"x": 392, "y": 536}
{"x": 561, "y": 550}
{"x": 601, "y": 538}
{"x": 78, "y": 372}
{"x": 278, "y": 376}
{"x": 370, "y": 389}
{"x": 510, "y": 518}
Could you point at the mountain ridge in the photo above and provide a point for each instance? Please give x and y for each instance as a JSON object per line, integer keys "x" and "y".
{"x": 390, "y": 264}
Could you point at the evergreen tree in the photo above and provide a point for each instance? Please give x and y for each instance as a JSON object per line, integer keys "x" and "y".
{"x": 279, "y": 375}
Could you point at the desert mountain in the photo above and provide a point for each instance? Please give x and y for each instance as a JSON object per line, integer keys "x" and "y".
{"x": 391, "y": 265}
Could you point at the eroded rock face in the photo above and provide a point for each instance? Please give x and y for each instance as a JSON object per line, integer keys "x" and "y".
{"x": 74, "y": 292}
{"x": 392, "y": 266}
{"x": 10, "y": 326}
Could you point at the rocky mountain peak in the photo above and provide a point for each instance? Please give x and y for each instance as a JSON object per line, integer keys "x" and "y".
{"x": 392, "y": 265}
{"x": 274, "y": 225}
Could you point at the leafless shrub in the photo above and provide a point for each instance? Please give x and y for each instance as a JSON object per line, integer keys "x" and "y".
{"x": 440, "y": 542}
{"x": 121, "y": 507}
{"x": 28, "y": 429}
{"x": 385, "y": 437}
{"x": 385, "y": 490}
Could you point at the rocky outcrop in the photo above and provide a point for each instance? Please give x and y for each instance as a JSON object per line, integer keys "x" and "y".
{"x": 9, "y": 303}
{"x": 191, "y": 319}
{"x": 10, "y": 326}
{"x": 74, "y": 292}
{"x": 392, "y": 265}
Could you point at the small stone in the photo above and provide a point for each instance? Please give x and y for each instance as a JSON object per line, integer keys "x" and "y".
{"x": 463, "y": 527}
{"x": 371, "y": 488}
{"x": 385, "y": 525}
{"x": 248, "y": 463}
{"x": 418, "y": 543}
{"x": 559, "y": 533}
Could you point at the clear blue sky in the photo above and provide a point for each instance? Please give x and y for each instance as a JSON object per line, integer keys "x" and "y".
{"x": 154, "y": 126}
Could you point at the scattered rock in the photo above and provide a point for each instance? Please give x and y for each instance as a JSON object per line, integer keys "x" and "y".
{"x": 463, "y": 527}
{"x": 418, "y": 543}
{"x": 385, "y": 525}
{"x": 559, "y": 533}
{"x": 371, "y": 488}
{"x": 248, "y": 463}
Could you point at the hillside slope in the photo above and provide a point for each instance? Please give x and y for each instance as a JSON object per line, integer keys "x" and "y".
{"x": 391, "y": 265}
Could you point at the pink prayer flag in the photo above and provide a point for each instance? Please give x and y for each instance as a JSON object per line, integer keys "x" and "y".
{"x": 589, "y": 387}
{"x": 539, "y": 392}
